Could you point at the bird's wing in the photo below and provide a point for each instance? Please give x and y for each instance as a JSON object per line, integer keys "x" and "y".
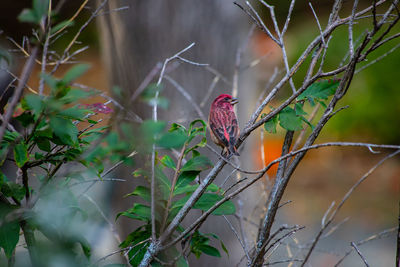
{"x": 232, "y": 127}
{"x": 217, "y": 122}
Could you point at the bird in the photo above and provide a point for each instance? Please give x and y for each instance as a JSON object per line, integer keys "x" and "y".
{"x": 223, "y": 124}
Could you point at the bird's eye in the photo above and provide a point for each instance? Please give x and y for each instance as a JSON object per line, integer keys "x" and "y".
{"x": 226, "y": 98}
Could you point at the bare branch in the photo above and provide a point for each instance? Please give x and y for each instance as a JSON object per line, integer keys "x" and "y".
{"x": 319, "y": 25}
{"x": 380, "y": 235}
{"x": 351, "y": 22}
{"x": 26, "y": 72}
{"x": 285, "y": 27}
{"x": 258, "y": 21}
{"x": 239, "y": 53}
{"x": 378, "y": 58}
{"x": 348, "y": 194}
{"x": 110, "y": 224}
{"x": 187, "y": 96}
{"x": 238, "y": 238}
{"x": 359, "y": 253}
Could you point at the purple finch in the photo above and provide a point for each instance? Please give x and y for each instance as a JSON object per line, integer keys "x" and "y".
{"x": 223, "y": 124}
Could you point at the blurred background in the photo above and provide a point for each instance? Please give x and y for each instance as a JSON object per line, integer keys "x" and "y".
{"x": 123, "y": 49}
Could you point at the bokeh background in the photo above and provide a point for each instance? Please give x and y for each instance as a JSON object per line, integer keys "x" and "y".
{"x": 326, "y": 174}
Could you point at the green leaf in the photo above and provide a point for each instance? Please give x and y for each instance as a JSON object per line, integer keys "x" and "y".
{"x": 10, "y": 137}
{"x": 181, "y": 262}
{"x": 141, "y": 233}
{"x": 199, "y": 163}
{"x": 87, "y": 251}
{"x": 9, "y": 231}
{"x": 224, "y": 248}
{"x": 20, "y": 154}
{"x": 213, "y": 188}
{"x": 289, "y": 120}
{"x": 3, "y": 180}
{"x": 136, "y": 254}
{"x": 160, "y": 101}
{"x": 185, "y": 189}
{"x": 270, "y": 125}
{"x": 176, "y": 206}
{"x": 298, "y": 107}
{"x": 177, "y": 127}
{"x": 3, "y": 153}
{"x": 40, "y": 7}
{"x": 73, "y": 113}
{"x": 168, "y": 162}
{"x": 150, "y": 91}
{"x": 149, "y": 96}
{"x": 44, "y": 131}
{"x": 207, "y": 200}
{"x": 64, "y": 129}
{"x": 28, "y": 15}
{"x": 320, "y": 90}
{"x": 309, "y": 123}
{"x": 138, "y": 212}
{"x": 50, "y": 81}
{"x": 163, "y": 183}
{"x": 74, "y": 73}
{"x": 172, "y": 140}
{"x": 26, "y": 119}
{"x": 141, "y": 191}
{"x": 75, "y": 94}
{"x": 192, "y": 188}
{"x": 43, "y": 144}
{"x": 62, "y": 24}
{"x": 34, "y": 102}
{"x": 209, "y": 250}
{"x": 11, "y": 189}
{"x": 151, "y": 130}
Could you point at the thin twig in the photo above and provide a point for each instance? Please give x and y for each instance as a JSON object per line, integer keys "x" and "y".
{"x": 71, "y": 19}
{"x": 65, "y": 57}
{"x": 319, "y": 25}
{"x": 209, "y": 91}
{"x": 238, "y": 238}
{"x": 373, "y": 237}
{"x": 351, "y": 22}
{"x": 187, "y": 96}
{"x": 378, "y": 59}
{"x": 359, "y": 253}
{"x": 238, "y": 59}
{"x": 26, "y": 72}
{"x": 348, "y": 194}
{"x": 110, "y": 224}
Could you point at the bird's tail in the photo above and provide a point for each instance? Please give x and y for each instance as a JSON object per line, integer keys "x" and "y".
{"x": 233, "y": 150}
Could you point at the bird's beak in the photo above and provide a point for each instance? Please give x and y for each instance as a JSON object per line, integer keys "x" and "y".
{"x": 234, "y": 101}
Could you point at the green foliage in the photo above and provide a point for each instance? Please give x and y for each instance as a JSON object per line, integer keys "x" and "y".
{"x": 9, "y": 230}
{"x": 270, "y": 125}
{"x": 52, "y": 138}
{"x": 199, "y": 163}
{"x": 58, "y": 130}
{"x": 151, "y": 96}
{"x": 199, "y": 244}
{"x": 11, "y": 189}
{"x": 190, "y": 139}
{"x": 291, "y": 118}
{"x": 137, "y": 240}
{"x": 320, "y": 90}
{"x": 36, "y": 14}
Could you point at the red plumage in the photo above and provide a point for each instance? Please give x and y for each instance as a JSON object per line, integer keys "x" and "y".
{"x": 223, "y": 124}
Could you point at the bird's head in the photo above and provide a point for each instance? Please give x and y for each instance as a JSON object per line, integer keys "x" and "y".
{"x": 225, "y": 101}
